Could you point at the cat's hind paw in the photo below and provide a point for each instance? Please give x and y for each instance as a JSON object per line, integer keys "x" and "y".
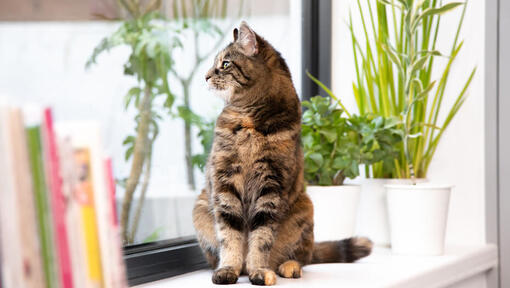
{"x": 290, "y": 269}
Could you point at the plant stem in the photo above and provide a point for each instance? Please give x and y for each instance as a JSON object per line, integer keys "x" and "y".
{"x": 188, "y": 153}
{"x": 339, "y": 178}
{"x": 145, "y": 185}
{"x": 186, "y": 85}
{"x": 139, "y": 154}
{"x": 408, "y": 91}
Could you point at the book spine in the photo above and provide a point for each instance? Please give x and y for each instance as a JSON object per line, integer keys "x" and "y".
{"x": 118, "y": 268}
{"x": 11, "y": 269}
{"x": 85, "y": 193}
{"x": 73, "y": 217}
{"x": 101, "y": 202}
{"x": 32, "y": 274}
{"x": 1, "y": 258}
{"x": 2, "y": 184}
{"x": 110, "y": 182}
{"x": 42, "y": 205}
{"x": 58, "y": 202}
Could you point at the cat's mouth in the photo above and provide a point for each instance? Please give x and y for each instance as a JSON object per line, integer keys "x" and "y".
{"x": 224, "y": 93}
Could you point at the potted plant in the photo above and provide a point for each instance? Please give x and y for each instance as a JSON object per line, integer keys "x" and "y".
{"x": 334, "y": 147}
{"x": 394, "y": 59}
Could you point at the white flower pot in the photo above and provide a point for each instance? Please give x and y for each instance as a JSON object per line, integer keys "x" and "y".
{"x": 335, "y": 211}
{"x": 417, "y": 217}
{"x": 373, "y": 211}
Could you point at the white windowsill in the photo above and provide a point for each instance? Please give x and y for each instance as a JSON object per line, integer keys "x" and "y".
{"x": 381, "y": 269}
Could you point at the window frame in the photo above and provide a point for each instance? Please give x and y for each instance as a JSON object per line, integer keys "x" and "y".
{"x": 163, "y": 259}
{"x": 497, "y": 138}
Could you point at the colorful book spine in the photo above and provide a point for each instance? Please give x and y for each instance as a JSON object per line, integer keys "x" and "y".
{"x": 85, "y": 192}
{"x": 90, "y": 190}
{"x": 73, "y": 217}
{"x": 58, "y": 220}
{"x": 58, "y": 202}
{"x": 43, "y": 211}
{"x": 110, "y": 182}
{"x": 102, "y": 204}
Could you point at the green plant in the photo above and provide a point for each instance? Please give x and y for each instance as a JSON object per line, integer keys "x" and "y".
{"x": 335, "y": 146}
{"x": 154, "y": 236}
{"x": 196, "y": 18}
{"x": 151, "y": 42}
{"x": 394, "y": 60}
{"x": 205, "y": 134}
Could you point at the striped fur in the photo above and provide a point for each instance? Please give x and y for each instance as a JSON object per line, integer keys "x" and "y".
{"x": 254, "y": 216}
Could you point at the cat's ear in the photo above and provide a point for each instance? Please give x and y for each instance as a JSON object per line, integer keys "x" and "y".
{"x": 236, "y": 34}
{"x": 247, "y": 40}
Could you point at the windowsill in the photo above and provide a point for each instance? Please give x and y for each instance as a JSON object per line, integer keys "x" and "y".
{"x": 381, "y": 269}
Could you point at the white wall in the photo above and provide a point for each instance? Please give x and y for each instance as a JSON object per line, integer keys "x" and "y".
{"x": 459, "y": 159}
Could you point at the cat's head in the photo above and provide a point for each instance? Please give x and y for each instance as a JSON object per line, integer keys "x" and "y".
{"x": 245, "y": 66}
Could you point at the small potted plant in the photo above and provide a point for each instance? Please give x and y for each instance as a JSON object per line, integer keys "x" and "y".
{"x": 394, "y": 64}
{"x": 334, "y": 147}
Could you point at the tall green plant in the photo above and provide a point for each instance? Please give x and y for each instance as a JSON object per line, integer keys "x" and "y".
{"x": 153, "y": 41}
{"x": 394, "y": 60}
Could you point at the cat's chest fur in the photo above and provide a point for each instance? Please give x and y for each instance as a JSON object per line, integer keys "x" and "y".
{"x": 248, "y": 143}
{"x": 237, "y": 150}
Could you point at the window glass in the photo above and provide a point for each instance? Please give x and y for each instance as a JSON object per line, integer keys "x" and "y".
{"x": 43, "y": 63}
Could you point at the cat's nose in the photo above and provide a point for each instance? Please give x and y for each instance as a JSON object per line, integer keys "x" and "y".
{"x": 209, "y": 74}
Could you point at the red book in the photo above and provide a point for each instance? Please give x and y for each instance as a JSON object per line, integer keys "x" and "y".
{"x": 58, "y": 202}
{"x": 111, "y": 189}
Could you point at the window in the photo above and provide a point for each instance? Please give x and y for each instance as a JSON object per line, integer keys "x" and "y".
{"x": 44, "y": 63}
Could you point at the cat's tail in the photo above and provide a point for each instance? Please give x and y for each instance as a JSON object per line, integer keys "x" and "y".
{"x": 342, "y": 251}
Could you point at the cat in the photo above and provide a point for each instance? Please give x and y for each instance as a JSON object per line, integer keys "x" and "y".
{"x": 254, "y": 217}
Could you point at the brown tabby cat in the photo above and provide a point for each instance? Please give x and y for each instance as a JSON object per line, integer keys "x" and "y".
{"x": 254, "y": 216}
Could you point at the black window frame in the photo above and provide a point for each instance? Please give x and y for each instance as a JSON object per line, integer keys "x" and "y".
{"x": 163, "y": 259}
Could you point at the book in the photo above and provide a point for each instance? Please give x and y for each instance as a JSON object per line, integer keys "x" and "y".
{"x": 57, "y": 200}
{"x": 58, "y": 221}
{"x": 3, "y": 126}
{"x": 10, "y": 263}
{"x": 42, "y": 207}
{"x": 1, "y": 260}
{"x": 118, "y": 267}
{"x": 73, "y": 214}
{"x": 86, "y": 191}
{"x": 1, "y": 280}
{"x": 33, "y": 275}
{"x": 20, "y": 235}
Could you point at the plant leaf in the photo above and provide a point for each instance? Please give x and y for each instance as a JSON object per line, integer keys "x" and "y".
{"x": 438, "y": 11}
{"x": 317, "y": 158}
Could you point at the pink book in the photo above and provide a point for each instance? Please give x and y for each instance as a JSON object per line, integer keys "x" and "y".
{"x": 119, "y": 269}
{"x": 58, "y": 203}
{"x": 111, "y": 189}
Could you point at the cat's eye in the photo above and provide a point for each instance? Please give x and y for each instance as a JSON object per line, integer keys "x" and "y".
{"x": 225, "y": 64}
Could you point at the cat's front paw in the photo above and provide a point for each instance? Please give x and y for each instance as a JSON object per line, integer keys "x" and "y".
{"x": 224, "y": 275}
{"x": 263, "y": 276}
